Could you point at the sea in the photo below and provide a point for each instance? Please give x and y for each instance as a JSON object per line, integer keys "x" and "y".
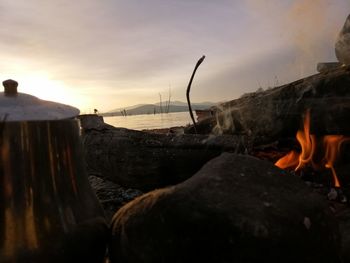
{"x": 150, "y": 121}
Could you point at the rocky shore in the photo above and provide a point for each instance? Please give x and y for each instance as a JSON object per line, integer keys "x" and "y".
{"x": 173, "y": 197}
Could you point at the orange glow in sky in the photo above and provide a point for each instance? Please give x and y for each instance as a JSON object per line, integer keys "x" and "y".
{"x": 43, "y": 86}
{"x": 113, "y": 54}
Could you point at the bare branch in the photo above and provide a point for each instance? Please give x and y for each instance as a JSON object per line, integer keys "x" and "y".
{"x": 188, "y": 91}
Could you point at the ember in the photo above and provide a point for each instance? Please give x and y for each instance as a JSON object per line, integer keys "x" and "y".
{"x": 308, "y": 142}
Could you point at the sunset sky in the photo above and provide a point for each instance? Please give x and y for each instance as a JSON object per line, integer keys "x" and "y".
{"x": 108, "y": 54}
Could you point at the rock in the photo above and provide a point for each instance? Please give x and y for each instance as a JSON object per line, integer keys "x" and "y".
{"x": 343, "y": 217}
{"x": 90, "y": 121}
{"x": 145, "y": 161}
{"x": 111, "y": 196}
{"x": 342, "y": 44}
{"x": 235, "y": 209}
{"x": 326, "y": 66}
{"x": 276, "y": 113}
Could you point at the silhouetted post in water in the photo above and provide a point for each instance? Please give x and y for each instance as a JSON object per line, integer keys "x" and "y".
{"x": 188, "y": 91}
{"x": 169, "y": 98}
{"x": 160, "y": 103}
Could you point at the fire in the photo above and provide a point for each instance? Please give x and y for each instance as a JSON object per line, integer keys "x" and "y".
{"x": 308, "y": 143}
{"x": 291, "y": 159}
{"x": 332, "y": 144}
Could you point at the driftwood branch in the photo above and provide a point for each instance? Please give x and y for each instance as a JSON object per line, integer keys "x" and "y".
{"x": 189, "y": 88}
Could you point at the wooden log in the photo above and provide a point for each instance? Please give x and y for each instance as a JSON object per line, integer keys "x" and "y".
{"x": 147, "y": 161}
{"x": 278, "y": 112}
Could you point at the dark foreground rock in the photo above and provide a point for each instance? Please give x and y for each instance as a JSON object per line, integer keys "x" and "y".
{"x": 112, "y": 196}
{"x": 343, "y": 217}
{"x": 235, "y": 209}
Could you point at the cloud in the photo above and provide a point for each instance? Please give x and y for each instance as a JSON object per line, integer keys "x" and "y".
{"x": 131, "y": 50}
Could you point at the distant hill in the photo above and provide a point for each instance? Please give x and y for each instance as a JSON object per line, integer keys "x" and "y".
{"x": 127, "y": 108}
{"x": 181, "y": 103}
{"x": 175, "y": 106}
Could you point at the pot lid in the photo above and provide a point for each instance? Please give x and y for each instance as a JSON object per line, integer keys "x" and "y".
{"x": 16, "y": 106}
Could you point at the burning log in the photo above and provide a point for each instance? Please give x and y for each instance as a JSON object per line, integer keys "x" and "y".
{"x": 276, "y": 113}
{"x": 147, "y": 161}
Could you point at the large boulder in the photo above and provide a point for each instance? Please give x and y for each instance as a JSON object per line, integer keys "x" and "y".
{"x": 342, "y": 44}
{"x": 235, "y": 209}
{"x": 343, "y": 216}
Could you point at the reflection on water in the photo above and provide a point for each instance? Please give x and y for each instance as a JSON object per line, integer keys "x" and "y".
{"x": 150, "y": 121}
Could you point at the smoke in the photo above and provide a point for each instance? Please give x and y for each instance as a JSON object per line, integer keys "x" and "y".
{"x": 224, "y": 121}
{"x": 309, "y": 27}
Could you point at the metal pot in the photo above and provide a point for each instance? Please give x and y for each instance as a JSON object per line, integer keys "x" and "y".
{"x": 48, "y": 211}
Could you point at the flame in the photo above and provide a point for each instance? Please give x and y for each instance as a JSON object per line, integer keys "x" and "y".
{"x": 332, "y": 144}
{"x": 291, "y": 159}
{"x": 308, "y": 143}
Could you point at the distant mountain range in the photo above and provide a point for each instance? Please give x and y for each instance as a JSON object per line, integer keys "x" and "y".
{"x": 175, "y": 106}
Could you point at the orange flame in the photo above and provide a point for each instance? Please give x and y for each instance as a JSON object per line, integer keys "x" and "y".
{"x": 290, "y": 160}
{"x": 307, "y": 141}
{"x": 332, "y": 145}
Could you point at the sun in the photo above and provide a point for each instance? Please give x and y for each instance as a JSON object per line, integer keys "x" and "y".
{"x": 46, "y": 88}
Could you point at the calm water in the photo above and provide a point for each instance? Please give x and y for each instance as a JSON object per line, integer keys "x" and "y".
{"x": 150, "y": 121}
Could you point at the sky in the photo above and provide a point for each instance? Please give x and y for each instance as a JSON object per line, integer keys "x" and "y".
{"x": 109, "y": 54}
